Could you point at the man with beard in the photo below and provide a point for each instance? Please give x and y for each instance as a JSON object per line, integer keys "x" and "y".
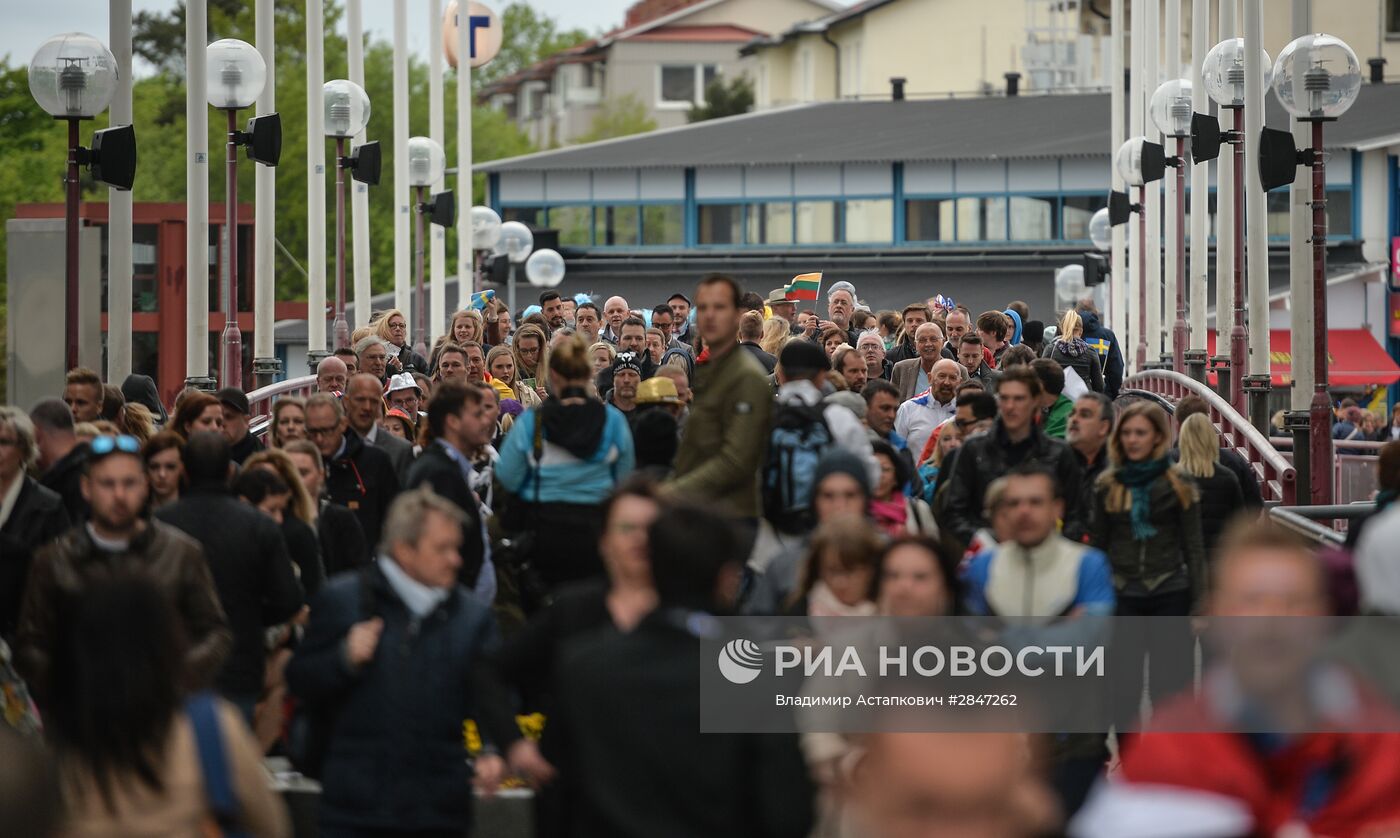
{"x": 552, "y": 307}
{"x": 626, "y": 376}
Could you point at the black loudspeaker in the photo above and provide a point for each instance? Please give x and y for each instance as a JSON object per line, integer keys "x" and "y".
{"x": 114, "y": 156}
{"x": 546, "y": 238}
{"x": 1154, "y": 162}
{"x": 443, "y": 209}
{"x": 365, "y": 163}
{"x": 1095, "y": 269}
{"x": 1278, "y": 158}
{"x": 1120, "y": 209}
{"x": 265, "y": 139}
{"x": 498, "y": 269}
{"x": 1205, "y": 137}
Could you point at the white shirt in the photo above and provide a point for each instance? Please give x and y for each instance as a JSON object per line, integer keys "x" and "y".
{"x": 919, "y": 417}
{"x": 846, "y": 429}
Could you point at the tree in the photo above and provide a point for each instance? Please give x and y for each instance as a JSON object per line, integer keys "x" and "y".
{"x": 528, "y": 37}
{"x": 724, "y": 99}
{"x": 619, "y": 117}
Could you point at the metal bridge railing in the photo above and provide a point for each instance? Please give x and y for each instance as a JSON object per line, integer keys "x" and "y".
{"x": 260, "y": 400}
{"x": 1277, "y": 480}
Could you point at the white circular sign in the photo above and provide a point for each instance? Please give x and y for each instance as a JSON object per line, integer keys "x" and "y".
{"x": 485, "y": 32}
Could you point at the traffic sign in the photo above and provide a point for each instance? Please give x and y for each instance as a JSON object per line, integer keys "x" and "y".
{"x": 484, "y": 33}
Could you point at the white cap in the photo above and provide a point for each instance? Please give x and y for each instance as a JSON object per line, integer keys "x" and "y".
{"x": 401, "y": 381}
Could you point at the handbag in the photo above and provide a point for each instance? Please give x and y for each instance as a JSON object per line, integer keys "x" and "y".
{"x": 519, "y": 519}
{"x": 224, "y": 810}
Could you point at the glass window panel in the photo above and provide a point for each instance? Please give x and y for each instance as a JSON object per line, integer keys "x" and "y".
{"x": 678, "y": 83}
{"x": 574, "y": 225}
{"x": 928, "y": 220}
{"x": 870, "y": 220}
{"x": 1277, "y": 203}
{"x": 529, "y": 216}
{"x": 216, "y": 270}
{"x": 663, "y": 224}
{"x": 245, "y": 267}
{"x": 145, "y": 283}
{"x": 770, "y": 223}
{"x": 615, "y": 226}
{"x": 1078, "y": 210}
{"x": 1033, "y": 218}
{"x": 1339, "y": 221}
{"x": 816, "y": 222}
{"x": 721, "y": 224}
{"x": 981, "y": 219}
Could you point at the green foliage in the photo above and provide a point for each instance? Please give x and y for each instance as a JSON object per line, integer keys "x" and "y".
{"x": 528, "y": 37}
{"x": 724, "y": 99}
{"x": 35, "y": 151}
{"x": 618, "y": 117}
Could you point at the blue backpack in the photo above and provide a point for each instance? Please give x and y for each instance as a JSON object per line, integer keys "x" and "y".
{"x": 795, "y": 445}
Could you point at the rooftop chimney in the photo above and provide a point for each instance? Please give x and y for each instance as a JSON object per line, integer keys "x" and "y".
{"x": 1013, "y": 83}
{"x": 897, "y": 88}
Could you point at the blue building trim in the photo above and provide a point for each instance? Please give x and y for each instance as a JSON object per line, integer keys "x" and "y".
{"x": 897, "y": 186}
{"x": 493, "y": 191}
{"x": 692, "y": 211}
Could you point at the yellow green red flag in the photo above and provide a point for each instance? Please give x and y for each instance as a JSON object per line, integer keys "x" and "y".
{"x": 805, "y": 287}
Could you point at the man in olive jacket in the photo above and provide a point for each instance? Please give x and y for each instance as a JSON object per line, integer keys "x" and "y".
{"x": 726, "y": 435}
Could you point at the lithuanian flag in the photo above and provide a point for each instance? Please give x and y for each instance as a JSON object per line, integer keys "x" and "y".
{"x": 805, "y": 287}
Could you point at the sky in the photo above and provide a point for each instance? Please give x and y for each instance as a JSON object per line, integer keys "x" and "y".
{"x": 29, "y": 24}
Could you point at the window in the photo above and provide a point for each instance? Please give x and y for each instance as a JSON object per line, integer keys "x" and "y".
{"x": 615, "y": 226}
{"x": 588, "y": 75}
{"x": 531, "y": 217}
{"x": 869, "y": 220}
{"x": 574, "y": 225}
{"x": 721, "y": 224}
{"x": 684, "y": 84}
{"x": 928, "y": 220}
{"x": 1033, "y": 218}
{"x": 981, "y": 219}
{"x": 1277, "y": 202}
{"x": 807, "y": 87}
{"x": 1078, "y": 209}
{"x": 663, "y": 224}
{"x": 1339, "y": 221}
{"x": 816, "y": 222}
{"x": 1392, "y": 17}
{"x": 770, "y": 223}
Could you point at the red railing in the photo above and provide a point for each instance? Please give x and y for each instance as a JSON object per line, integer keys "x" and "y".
{"x": 260, "y": 400}
{"x": 1277, "y": 481}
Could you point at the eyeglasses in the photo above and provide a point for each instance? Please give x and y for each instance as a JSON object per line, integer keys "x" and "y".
{"x": 6, "y": 442}
{"x": 104, "y": 445}
{"x": 312, "y": 431}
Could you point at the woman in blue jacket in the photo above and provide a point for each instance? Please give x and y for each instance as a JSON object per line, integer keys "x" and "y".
{"x": 561, "y": 460}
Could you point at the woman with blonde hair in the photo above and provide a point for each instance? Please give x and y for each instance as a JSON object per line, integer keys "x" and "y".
{"x": 467, "y": 327}
{"x": 500, "y": 364}
{"x": 530, "y": 349}
{"x": 776, "y": 331}
{"x": 302, "y": 506}
{"x": 392, "y": 326}
{"x": 1068, "y": 349}
{"x": 1221, "y": 498}
{"x": 288, "y": 421}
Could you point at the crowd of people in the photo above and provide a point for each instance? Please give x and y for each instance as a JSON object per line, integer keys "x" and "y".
{"x": 536, "y": 517}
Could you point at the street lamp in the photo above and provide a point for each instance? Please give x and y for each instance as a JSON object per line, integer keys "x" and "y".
{"x": 347, "y": 114}
{"x": 485, "y": 232}
{"x": 1223, "y": 75}
{"x": 73, "y": 77}
{"x": 426, "y": 163}
{"x": 236, "y": 78}
{"x": 1069, "y": 285}
{"x": 1171, "y": 113}
{"x": 1096, "y": 267}
{"x": 515, "y": 243}
{"x": 1316, "y": 79}
{"x": 1139, "y": 162}
{"x": 545, "y": 268}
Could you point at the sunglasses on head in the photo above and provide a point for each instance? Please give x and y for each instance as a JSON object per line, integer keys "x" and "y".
{"x": 104, "y": 445}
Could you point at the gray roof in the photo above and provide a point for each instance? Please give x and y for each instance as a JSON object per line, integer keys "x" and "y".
{"x": 984, "y": 128}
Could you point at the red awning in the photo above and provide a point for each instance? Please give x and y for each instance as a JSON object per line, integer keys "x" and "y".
{"x": 1355, "y": 359}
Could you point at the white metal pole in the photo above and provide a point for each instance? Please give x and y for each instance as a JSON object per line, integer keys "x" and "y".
{"x": 315, "y": 185}
{"x": 197, "y": 197}
{"x": 1171, "y": 69}
{"x": 402, "y": 201}
{"x": 1225, "y": 218}
{"x": 119, "y": 209}
{"x": 1152, "y": 76}
{"x": 359, "y": 192}
{"x": 265, "y": 364}
{"x": 1200, "y": 188}
{"x": 1256, "y": 215}
{"x": 437, "y": 243}
{"x": 1128, "y": 337}
{"x": 465, "y": 277}
{"x": 1300, "y": 255}
{"x": 1118, "y": 276}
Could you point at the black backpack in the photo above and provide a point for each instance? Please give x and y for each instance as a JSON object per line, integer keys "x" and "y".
{"x": 795, "y": 445}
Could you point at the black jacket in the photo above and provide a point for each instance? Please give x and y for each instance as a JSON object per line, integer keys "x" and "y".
{"x": 768, "y": 361}
{"x": 411, "y": 361}
{"x": 305, "y": 552}
{"x": 603, "y": 381}
{"x": 436, "y": 468}
{"x": 65, "y": 478}
{"x": 252, "y": 574}
{"x": 627, "y": 709}
{"x": 1172, "y": 560}
{"x": 902, "y": 351}
{"x": 37, "y": 518}
{"x": 1244, "y": 473}
{"x": 396, "y": 759}
{"x": 987, "y": 456}
{"x": 343, "y": 545}
{"x": 246, "y": 447}
{"x": 1221, "y": 501}
{"x": 1089, "y": 473}
{"x": 1105, "y": 342}
{"x": 1086, "y": 364}
{"x": 362, "y": 479}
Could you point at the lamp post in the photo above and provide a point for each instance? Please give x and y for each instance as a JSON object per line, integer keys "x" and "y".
{"x": 1097, "y": 268}
{"x": 73, "y": 77}
{"x": 1171, "y": 111}
{"x": 347, "y": 114}
{"x": 1223, "y": 75}
{"x": 1139, "y": 162}
{"x": 426, "y": 163}
{"x": 1316, "y": 79}
{"x": 545, "y": 268}
{"x": 515, "y": 243}
{"x": 235, "y": 82}
{"x": 485, "y": 233}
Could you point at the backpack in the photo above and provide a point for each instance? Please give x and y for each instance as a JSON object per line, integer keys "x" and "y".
{"x": 799, "y": 438}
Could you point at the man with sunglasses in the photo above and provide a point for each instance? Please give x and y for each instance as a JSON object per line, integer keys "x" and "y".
{"x": 359, "y": 477}
{"x": 117, "y": 537}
